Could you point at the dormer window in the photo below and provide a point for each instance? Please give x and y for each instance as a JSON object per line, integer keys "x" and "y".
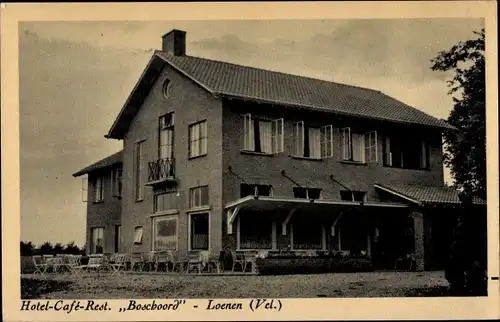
{"x": 166, "y": 88}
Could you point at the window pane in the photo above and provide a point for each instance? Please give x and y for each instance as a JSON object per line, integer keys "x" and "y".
{"x": 204, "y": 196}
{"x": 346, "y": 195}
{"x": 165, "y": 233}
{"x": 359, "y": 195}
{"x": 307, "y": 233}
{"x": 358, "y": 148}
{"x": 314, "y": 143}
{"x": 199, "y": 231}
{"x": 255, "y": 231}
{"x": 299, "y": 193}
{"x": 246, "y": 190}
{"x": 313, "y": 193}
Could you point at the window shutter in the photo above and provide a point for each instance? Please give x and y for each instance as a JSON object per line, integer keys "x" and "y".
{"x": 298, "y": 136}
{"x": 84, "y": 189}
{"x": 277, "y": 136}
{"x": 371, "y": 151}
{"x": 248, "y": 131}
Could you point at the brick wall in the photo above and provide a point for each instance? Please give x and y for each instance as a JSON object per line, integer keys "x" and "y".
{"x": 190, "y": 104}
{"x": 103, "y": 214}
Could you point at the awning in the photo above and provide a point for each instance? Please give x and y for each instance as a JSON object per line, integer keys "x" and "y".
{"x": 295, "y": 204}
{"x": 425, "y": 195}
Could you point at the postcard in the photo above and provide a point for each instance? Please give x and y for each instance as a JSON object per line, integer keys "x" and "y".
{"x": 250, "y": 161}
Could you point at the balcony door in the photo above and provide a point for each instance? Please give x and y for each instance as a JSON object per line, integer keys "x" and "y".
{"x": 166, "y": 137}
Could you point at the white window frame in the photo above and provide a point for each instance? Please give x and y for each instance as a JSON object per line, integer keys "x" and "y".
{"x": 93, "y": 237}
{"x": 156, "y": 195}
{"x": 193, "y": 190}
{"x": 201, "y": 212}
{"x": 327, "y": 141}
{"x": 276, "y": 135}
{"x": 153, "y": 230}
{"x": 166, "y": 124}
{"x": 198, "y": 132}
{"x": 371, "y": 146}
{"x": 138, "y": 235}
{"x": 99, "y": 189}
{"x": 307, "y": 192}
{"x": 346, "y": 145}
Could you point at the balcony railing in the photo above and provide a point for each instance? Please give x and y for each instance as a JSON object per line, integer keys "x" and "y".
{"x": 161, "y": 170}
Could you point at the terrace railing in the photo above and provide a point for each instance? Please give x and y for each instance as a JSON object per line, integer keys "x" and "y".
{"x": 161, "y": 170}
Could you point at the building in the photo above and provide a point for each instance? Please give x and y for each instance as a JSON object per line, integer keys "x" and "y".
{"x": 222, "y": 156}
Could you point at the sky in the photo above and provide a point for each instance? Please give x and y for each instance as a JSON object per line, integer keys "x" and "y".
{"x": 74, "y": 78}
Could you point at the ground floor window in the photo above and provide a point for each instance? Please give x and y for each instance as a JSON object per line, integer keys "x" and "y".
{"x": 165, "y": 233}
{"x": 97, "y": 240}
{"x": 255, "y": 231}
{"x": 353, "y": 238}
{"x": 307, "y": 233}
{"x": 118, "y": 229}
{"x": 199, "y": 231}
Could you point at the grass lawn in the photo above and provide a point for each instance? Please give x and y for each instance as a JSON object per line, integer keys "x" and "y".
{"x": 372, "y": 284}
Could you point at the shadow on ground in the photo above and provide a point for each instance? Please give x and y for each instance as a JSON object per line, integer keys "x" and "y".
{"x": 33, "y": 288}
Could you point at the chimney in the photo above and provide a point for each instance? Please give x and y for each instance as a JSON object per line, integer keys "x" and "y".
{"x": 174, "y": 42}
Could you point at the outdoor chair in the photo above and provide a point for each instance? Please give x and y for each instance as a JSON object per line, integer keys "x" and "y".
{"x": 136, "y": 261}
{"x": 250, "y": 258}
{"x": 96, "y": 263}
{"x": 177, "y": 263}
{"x": 409, "y": 258}
{"x": 213, "y": 261}
{"x": 118, "y": 264}
{"x": 238, "y": 259}
{"x": 194, "y": 260}
{"x": 40, "y": 265}
{"x": 149, "y": 260}
{"x": 162, "y": 258}
{"x": 48, "y": 260}
{"x": 72, "y": 262}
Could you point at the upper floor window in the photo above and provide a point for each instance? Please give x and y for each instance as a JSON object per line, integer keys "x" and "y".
{"x": 254, "y": 190}
{"x": 359, "y": 196}
{"x": 166, "y": 88}
{"x": 406, "y": 152}
{"x": 138, "y": 170}
{"x": 306, "y": 193}
{"x": 116, "y": 182}
{"x": 165, "y": 201}
{"x": 99, "y": 189}
{"x": 198, "y": 197}
{"x": 198, "y": 139}
{"x": 358, "y": 147}
{"x": 166, "y": 136}
{"x": 264, "y": 136}
{"x": 312, "y": 142}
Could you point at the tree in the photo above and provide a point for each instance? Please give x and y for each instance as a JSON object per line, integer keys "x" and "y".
{"x": 465, "y": 152}
{"x": 27, "y": 248}
{"x": 46, "y": 248}
{"x": 58, "y": 248}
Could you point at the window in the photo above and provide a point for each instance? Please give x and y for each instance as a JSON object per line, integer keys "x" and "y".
{"x": 371, "y": 150}
{"x": 118, "y": 229}
{"x": 165, "y": 233}
{"x": 138, "y": 170}
{"x": 138, "y": 235}
{"x": 263, "y": 136}
{"x": 255, "y": 231}
{"x": 307, "y": 233}
{"x": 166, "y": 88}
{"x": 306, "y": 193}
{"x": 99, "y": 190}
{"x": 199, "y": 231}
{"x": 347, "y": 195}
{"x": 166, "y": 136}
{"x": 312, "y": 142}
{"x": 97, "y": 240}
{"x": 85, "y": 185}
{"x": 116, "y": 182}
{"x": 352, "y": 145}
{"x": 407, "y": 153}
{"x": 165, "y": 201}
{"x": 254, "y": 190}
{"x": 198, "y": 197}
{"x": 198, "y": 139}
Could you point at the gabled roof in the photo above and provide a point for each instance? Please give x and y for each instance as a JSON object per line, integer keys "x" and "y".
{"x": 224, "y": 79}
{"x": 425, "y": 194}
{"x": 113, "y": 159}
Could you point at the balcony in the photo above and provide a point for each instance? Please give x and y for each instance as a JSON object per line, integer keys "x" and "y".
{"x": 161, "y": 171}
